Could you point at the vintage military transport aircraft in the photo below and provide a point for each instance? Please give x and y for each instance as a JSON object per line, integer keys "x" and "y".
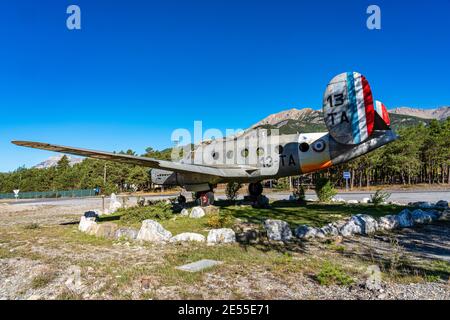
{"x": 356, "y": 125}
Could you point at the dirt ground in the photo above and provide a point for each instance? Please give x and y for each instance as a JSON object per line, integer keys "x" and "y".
{"x": 44, "y": 256}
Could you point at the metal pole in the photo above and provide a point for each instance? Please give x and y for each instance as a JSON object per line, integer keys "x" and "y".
{"x": 104, "y": 175}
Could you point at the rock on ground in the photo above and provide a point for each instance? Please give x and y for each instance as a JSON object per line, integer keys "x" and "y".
{"x": 445, "y": 215}
{"x": 367, "y": 223}
{"x": 153, "y": 231}
{"x": 442, "y": 204}
{"x": 106, "y": 230}
{"x": 278, "y": 230}
{"x": 114, "y": 204}
{"x": 405, "y": 219}
{"x": 184, "y": 212}
{"x": 126, "y": 233}
{"x": 86, "y": 224}
{"x": 224, "y": 235}
{"x": 197, "y": 212}
{"x": 420, "y": 217}
{"x": 388, "y": 222}
{"x": 350, "y": 228}
{"x": 188, "y": 236}
{"x": 306, "y": 232}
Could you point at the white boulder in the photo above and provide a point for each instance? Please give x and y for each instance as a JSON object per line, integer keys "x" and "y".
{"x": 224, "y": 235}
{"x": 368, "y": 224}
{"x": 365, "y": 200}
{"x": 188, "y": 236}
{"x": 350, "y": 228}
{"x": 405, "y": 219}
{"x": 197, "y": 212}
{"x": 442, "y": 204}
{"x": 153, "y": 231}
{"x": 388, "y": 222}
{"x": 277, "y": 230}
{"x": 86, "y": 224}
{"x": 306, "y": 232}
{"x": 114, "y": 204}
{"x": 445, "y": 215}
{"x": 184, "y": 212}
{"x": 126, "y": 233}
{"x": 359, "y": 224}
{"x": 332, "y": 229}
{"x": 420, "y": 216}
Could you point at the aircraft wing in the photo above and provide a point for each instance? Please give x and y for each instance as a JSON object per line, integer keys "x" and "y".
{"x": 222, "y": 171}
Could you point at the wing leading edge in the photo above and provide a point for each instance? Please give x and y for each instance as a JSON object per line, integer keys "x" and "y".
{"x": 229, "y": 172}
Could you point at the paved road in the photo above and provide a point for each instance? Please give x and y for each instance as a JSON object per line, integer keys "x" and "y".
{"x": 398, "y": 196}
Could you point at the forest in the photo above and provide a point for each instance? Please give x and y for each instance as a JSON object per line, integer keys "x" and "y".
{"x": 420, "y": 155}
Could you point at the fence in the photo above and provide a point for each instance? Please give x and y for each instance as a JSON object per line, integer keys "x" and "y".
{"x": 50, "y": 194}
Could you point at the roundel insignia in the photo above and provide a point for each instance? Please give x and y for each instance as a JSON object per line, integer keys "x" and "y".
{"x": 381, "y": 109}
{"x": 348, "y": 108}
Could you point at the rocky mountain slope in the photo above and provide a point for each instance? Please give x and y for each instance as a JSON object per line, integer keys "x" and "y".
{"x": 438, "y": 114}
{"x": 309, "y": 120}
{"x": 53, "y": 161}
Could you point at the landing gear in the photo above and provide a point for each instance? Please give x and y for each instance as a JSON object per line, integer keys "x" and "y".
{"x": 181, "y": 199}
{"x": 255, "y": 189}
{"x": 204, "y": 198}
{"x": 255, "y": 195}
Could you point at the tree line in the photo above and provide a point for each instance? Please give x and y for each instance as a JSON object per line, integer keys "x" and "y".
{"x": 420, "y": 155}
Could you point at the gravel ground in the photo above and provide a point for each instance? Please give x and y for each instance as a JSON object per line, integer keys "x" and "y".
{"x": 55, "y": 261}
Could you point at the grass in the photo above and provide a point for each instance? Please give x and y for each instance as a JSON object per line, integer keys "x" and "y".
{"x": 331, "y": 273}
{"x": 42, "y": 280}
{"x": 313, "y": 214}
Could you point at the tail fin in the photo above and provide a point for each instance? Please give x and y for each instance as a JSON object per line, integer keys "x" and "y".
{"x": 382, "y": 121}
{"x": 348, "y": 108}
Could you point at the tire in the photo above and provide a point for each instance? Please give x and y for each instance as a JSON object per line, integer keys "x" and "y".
{"x": 255, "y": 189}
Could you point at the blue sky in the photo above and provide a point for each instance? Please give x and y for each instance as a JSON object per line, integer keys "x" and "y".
{"x": 137, "y": 70}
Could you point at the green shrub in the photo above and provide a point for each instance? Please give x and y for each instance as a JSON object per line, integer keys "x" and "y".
{"x": 325, "y": 190}
{"x": 232, "y": 190}
{"x": 31, "y": 226}
{"x": 333, "y": 274}
{"x": 215, "y": 221}
{"x": 379, "y": 197}
{"x": 160, "y": 210}
{"x": 42, "y": 280}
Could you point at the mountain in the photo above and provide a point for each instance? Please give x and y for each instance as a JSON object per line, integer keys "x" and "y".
{"x": 53, "y": 161}
{"x": 441, "y": 113}
{"x": 308, "y": 120}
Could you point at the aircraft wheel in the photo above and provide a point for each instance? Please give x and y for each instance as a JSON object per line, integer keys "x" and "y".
{"x": 255, "y": 189}
{"x": 205, "y": 198}
{"x": 181, "y": 199}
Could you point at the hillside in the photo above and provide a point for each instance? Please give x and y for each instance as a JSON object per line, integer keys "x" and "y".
{"x": 309, "y": 120}
{"x": 441, "y": 113}
{"x": 53, "y": 161}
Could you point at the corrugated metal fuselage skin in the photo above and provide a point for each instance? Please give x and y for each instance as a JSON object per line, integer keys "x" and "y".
{"x": 301, "y": 153}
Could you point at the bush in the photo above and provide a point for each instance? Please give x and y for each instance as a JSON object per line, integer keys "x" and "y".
{"x": 216, "y": 221}
{"x": 379, "y": 197}
{"x": 232, "y": 190}
{"x": 333, "y": 274}
{"x": 325, "y": 190}
{"x": 160, "y": 210}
